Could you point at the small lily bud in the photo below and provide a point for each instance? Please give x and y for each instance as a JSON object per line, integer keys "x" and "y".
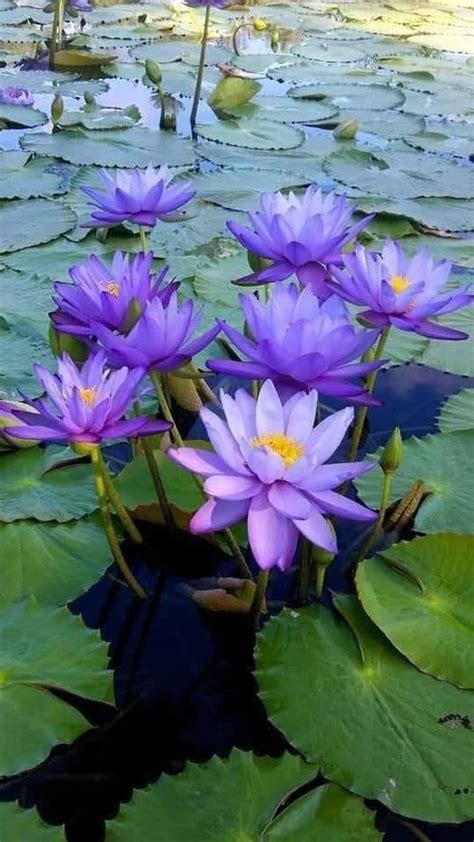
{"x": 133, "y": 314}
{"x": 184, "y": 393}
{"x": 346, "y": 130}
{"x": 57, "y": 108}
{"x": 260, "y": 25}
{"x": 275, "y": 40}
{"x": 61, "y": 343}
{"x": 89, "y": 98}
{"x": 7, "y": 419}
{"x": 392, "y": 454}
{"x": 153, "y": 72}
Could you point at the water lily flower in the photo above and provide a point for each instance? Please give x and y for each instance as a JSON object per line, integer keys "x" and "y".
{"x": 85, "y": 406}
{"x": 216, "y": 4}
{"x": 269, "y": 466}
{"x": 113, "y": 296}
{"x": 161, "y": 339}
{"x": 16, "y": 96}
{"x": 8, "y": 419}
{"x": 139, "y": 196}
{"x": 399, "y": 290}
{"x": 298, "y": 235}
{"x": 76, "y": 6}
{"x": 300, "y": 343}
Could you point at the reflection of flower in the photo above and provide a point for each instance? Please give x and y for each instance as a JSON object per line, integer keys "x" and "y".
{"x": 269, "y": 466}
{"x": 139, "y": 196}
{"x": 107, "y": 296}
{"x": 85, "y": 405}
{"x": 300, "y": 344}
{"x": 16, "y": 96}
{"x": 160, "y": 340}
{"x": 399, "y": 290}
{"x": 298, "y": 235}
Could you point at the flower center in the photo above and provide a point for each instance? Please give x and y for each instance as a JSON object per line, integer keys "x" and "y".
{"x": 88, "y": 396}
{"x": 399, "y": 284}
{"x": 289, "y": 449}
{"x": 113, "y": 288}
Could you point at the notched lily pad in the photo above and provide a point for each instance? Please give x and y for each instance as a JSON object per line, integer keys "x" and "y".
{"x": 31, "y": 222}
{"x": 252, "y": 134}
{"x": 21, "y": 116}
{"x": 97, "y": 117}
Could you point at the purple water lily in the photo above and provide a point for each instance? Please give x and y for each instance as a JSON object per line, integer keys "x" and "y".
{"x": 73, "y": 7}
{"x": 399, "y": 290}
{"x": 16, "y": 96}
{"x": 138, "y": 196}
{"x": 217, "y": 4}
{"x": 269, "y": 467}
{"x": 108, "y": 296}
{"x": 299, "y": 235}
{"x": 300, "y": 343}
{"x": 86, "y": 405}
{"x": 161, "y": 339}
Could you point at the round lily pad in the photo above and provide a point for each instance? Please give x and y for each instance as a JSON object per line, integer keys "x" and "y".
{"x": 457, "y": 413}
{"x": 28, "y": 223}
{"x": 38, "y": 484}
{"x": 55, "y": 562}
{"x": 420, "y": 594}
{"x": 17, "y": 825}
{"x": 23, "y": 116}
{"x": 22, "y": 177}
{"x": 455, "y": 357}
{"x": 329, "y": 51}
{"x": 18, "y": 352}
{"x": 352, "y": 95}
{"x": 44, "y": 649}
{"x": 231, "y": 800}
{"x": 284, "y": 109}
{"x": 375, "y": 724}
{"x": 252, "y": 134}
{"x": 440, "y": 461}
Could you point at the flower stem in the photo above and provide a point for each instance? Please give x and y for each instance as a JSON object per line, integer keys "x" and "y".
{"x": 320, "y": 577}
{"x": 200, "y": 73}
{"x": 234, "y": 37}
{"x": 417, "y": 833}
{"x": 157, "y": 482}
{"x": 259, "y": 598}
{"x": 100, "y": 486}
{"x": 376, "y": 529}
{"x": 179, "y": 441}
{"x": 362, "y": 411}
{"x": 113, "y": 496}
{"x": 304, "y": 573}
{"x": 56, "y": 31}
{"x": 143, "y": 240}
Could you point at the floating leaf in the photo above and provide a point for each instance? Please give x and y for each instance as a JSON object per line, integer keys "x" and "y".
{"x": 22, "y": 177}
{"x": 45, "y": 649}
{"x": 455, "y": 357}
{"x": 446, "y": 214}
{"x": 28, "y": 223}
{"x": 18, "y": 353}
{"x": 136, "y": 488}
{"x": 420, "y": 595}
{"x": 81, "y": 58}
{"x": 352, "y": 95}
{"x": 55, "y": 562}
{"x": 440, "y": 461}
{"x": 17, "y": 825}
{"x": 23, "y": 116}
{"x": 286, "y": 110}
{"x": 34, "y": 485}
{"x": 372, "y": 722}
{"x": 231, "y": 799}
{"x": 329, "y": 51}
{"x": 230, "y": 92}
{"x": 457, "y": 413}
{"x": 94, "y": 117}
{"x": 252, "y": 134}
{"x": 25, "y": 301}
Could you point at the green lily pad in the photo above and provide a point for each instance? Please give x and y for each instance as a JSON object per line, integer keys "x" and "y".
{"x": 35, "y": 484}
{"x": 374, "y": 724}
{"x": 185, "y": 51}
{"x": 455, "y": 357}
{"x": 136, "y": 488}
{"x": 81, "y": 58}
{"x": 284, "y": 109}
{"x": 53, "y": 260}
{"x": 386, "y": 124}
{"x": 44, "y": 649}
{"x": 18, "y": 352}
{"x": 457, "y": 413}
{"x": 134, "y": 147}
{"x": 241, "y": 189}
{"x": 445, "y": 214}
{"x": 54, "y": 562}
{"x": 232, "y": 91}
{"x": 329, "y": 813}
{"x": 352, "y": 95}
{"x": 231, "y": 800}
{"x": 24, "y": 302}
{"x": 441, "y": 101}
{"x": 94, "y": 117}
{"x": 440, "y": 461}
{"x": 252, "y": 134}
{"x": 420, "y": 594}
{"x": 22, "y": 177}
{"x": 17, "y": 825}
{"x": 329, "y": 51}
{"x": 28, "y": 223}
{"x": 23, "y": 116}
{"x": 449, "y": 137}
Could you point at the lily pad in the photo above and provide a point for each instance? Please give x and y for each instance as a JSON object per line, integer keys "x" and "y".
{"x": 440, "y": 461}
{"x": 17, "y": 825}
{"x": 18, "y": 352}
{"x": 94, "y": 117}
{"x": 23, "y": 116}
{"x": 37, "y": 484}
{"x": 352, "y": 95}
{"x": 252, "y": 134}
{"x": 400, "y": 746}
{"x": 28, "y": 223}
{"x": 54, "y": 562}
{"x": 444, "y": 214}
{"x": 25, "y": 301}
{"x": 457, "y": 413}
{"x": 241, "y": 189}
{"x": 64, "y": 656}
{"x": 134, "y": 147}
{"x": 329, "y": 813}
{"x": 420, "y": 595}
{"x": 329, "y": 51}
{"x": 22, "y": 177}
{"x": 136, "y": 488}
{"x": 455, "y": 357}
{"x": 284, "y": 109}
{"x": 245, "y": 788}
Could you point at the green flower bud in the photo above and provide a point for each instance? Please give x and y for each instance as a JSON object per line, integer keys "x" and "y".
{"x": 153, "y": 72}
{"x": 392, "y": 454}
{"x": 57, "y": 108}
{"x": 275, "y": 40}
{"x": 89, "y": 98}
{"x": 346, "y": 130}
{"x": 260, "y": 25}
{"x": 65, "y": 343}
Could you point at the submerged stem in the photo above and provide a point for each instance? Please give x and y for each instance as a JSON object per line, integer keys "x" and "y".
{"x": 362, "y": 411}
{"x": 100, "y": 486}
{"x": 377, "y": 527}
{"x": 157, "y": 482}
{"x": 200, "y": 73}
{"x": 143, "y": 239}
{"x": 114, "y": 498}
{"x": 259, "y": 597}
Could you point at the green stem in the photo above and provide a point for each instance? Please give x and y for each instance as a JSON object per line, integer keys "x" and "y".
{"x": 200, "y": 73}
{"x": 320, "y": 576}
{"x": 157, "y": 482}
{"x": 362, "y": 411}
{"x": 143, "y": 240}
{"x": 234, "y": 37}
{"x": 56, "y": 31}
{"x": 377, "y": 527}
{"x": 259, "y": 598}
{"x": 114, "y": 498}
{"x": 417, "y": 833}
{"x": 100, "y": 487}
{"x": 179, "y": 441}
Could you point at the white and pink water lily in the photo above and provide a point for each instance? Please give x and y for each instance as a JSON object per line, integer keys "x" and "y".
{"x": 270, "y": 466}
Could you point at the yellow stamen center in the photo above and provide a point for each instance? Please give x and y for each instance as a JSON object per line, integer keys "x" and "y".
{"x": 399, "y": 284}
{"x": 88, "y": 396}
{"x": 289, "y": 449}
{"x": 113, "y": 288}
